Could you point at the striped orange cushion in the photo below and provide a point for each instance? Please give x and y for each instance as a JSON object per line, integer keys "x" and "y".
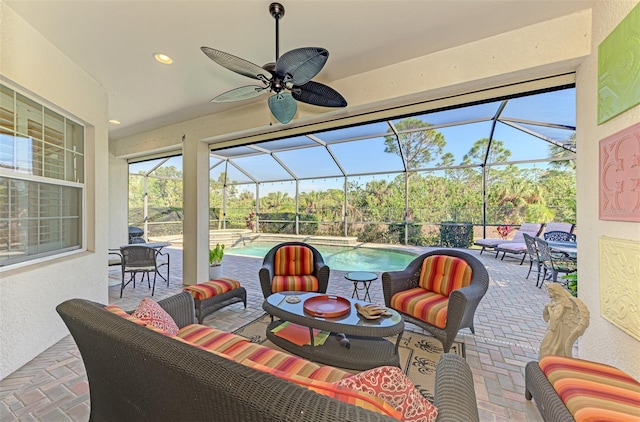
{"x": 115, "y": 309}
{"x": 347, "y": 395}
{"x": 210, "y": 338}
{"x": 419, "y": 303}
{"x": 212, "y": 288}
{"x": 282, "y": 361}
{"x": 328, "y": 374}
{"x": 297, "y": 283}
{"x": 293, "y": 260}
{"x": 443, "y": 274}
{"x": 203, "y": 348}
{"x": 593, "y": 391}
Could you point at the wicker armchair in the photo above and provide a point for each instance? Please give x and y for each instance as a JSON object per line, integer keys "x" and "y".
{"x": 304, "y": 269}
{"x": 442, "y": 314}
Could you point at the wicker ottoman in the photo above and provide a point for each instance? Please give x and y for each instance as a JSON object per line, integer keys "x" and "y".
{"x": 215, "y": 294}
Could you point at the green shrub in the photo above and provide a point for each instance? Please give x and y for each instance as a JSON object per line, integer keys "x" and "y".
{"x": 572, "y": 282}
{"x": 216, "y": 254}
{"x": 456, "y": 235}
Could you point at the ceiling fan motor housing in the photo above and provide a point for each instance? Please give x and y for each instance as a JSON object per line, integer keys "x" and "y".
{"x": 276, "y": 10}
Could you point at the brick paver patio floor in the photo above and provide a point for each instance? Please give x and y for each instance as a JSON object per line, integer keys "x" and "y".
{"x": 509, "y": 328}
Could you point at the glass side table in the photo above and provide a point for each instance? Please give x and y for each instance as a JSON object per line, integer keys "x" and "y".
{"x": 363, "y": 277}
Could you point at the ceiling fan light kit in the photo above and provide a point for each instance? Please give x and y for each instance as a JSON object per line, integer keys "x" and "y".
{"x": 288, "y": 78}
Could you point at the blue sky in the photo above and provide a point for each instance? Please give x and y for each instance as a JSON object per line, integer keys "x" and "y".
{"x": 368, "y": 155}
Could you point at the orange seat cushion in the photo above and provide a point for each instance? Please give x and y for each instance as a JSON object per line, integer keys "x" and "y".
{"x": 211, "y": 339}
{"x": 293, "y": 260}
{"x": 426, "y": 306}
{"x": 212, "y": 288}
{"x": 347, "y": 395}
{"x": 593, "y": 391}
{"x": 443, "y": 274}
{"x": 298, "y": 283}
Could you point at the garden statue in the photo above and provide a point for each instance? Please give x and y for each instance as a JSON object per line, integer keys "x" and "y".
{"x": 567, "y": 318}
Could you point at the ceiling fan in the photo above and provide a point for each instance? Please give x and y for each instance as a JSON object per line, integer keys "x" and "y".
{"x": 289, "y": 78}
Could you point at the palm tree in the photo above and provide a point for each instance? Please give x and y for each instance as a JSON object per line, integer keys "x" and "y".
{"x": 566, "y": 155}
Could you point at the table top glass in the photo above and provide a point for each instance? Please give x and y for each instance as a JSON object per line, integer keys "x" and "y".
{"x": 154, "y": 245}
{"x": 361, "y": 276}
{"x": 278, "y": 300}
{"x": 568, "y": 247}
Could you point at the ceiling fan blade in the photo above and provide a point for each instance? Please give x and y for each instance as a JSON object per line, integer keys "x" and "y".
{"x": 236, "y": 64}
{"x": 240, "y": 94}
{"x": 318, "y": 94}
{"x": 283, "y": 107}
{"x": 302, "y": 64}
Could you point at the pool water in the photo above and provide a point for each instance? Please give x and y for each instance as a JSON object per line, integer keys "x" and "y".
{"x": 342, "y": 258}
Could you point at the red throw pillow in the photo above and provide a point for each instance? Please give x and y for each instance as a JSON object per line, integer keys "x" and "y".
{"x": 151, "y": 313}
{"x": 393, "y": 386}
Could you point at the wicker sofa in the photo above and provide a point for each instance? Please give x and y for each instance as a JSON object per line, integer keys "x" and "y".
{"x": 139, "y": 374}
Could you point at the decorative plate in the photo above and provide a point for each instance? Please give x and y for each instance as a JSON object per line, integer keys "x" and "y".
{"x": 293, "y": 299}
{"x": 327, "y": 306}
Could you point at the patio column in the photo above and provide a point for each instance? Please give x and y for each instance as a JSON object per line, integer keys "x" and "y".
{"x": 195, "y": 165}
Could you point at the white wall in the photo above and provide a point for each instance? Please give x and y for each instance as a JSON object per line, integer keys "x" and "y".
{"x": 29, "y": 323}
{"x": 118, "y": 201}
{"x": 602, "y": 341}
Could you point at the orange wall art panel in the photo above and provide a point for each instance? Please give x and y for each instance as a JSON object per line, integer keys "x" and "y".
{"x": 620, "y": 175}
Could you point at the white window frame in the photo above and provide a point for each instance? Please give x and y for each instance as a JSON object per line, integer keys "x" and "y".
{"x": 68, "y": 149}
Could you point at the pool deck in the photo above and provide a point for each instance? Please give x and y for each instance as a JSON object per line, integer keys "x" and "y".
{"x": 509, "y": 329}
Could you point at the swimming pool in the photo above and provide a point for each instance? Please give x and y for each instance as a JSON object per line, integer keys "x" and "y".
{"x": 342, "y": 258}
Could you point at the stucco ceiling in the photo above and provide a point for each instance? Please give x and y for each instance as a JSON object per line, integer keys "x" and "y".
{"x": 114, "y": 42}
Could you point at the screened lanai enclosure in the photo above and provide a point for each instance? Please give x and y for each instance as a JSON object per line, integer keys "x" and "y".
{"x": 442, "y": 177}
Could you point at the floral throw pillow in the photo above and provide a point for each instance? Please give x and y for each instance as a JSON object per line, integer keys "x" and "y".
{"x": 393, "y": 386}
{"x": 151, "y": 313}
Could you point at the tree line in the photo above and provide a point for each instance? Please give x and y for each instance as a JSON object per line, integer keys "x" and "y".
{"x": 374, "y": 209}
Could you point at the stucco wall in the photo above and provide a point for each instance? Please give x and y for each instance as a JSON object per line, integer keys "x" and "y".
{"x": 602, "y": 341}
{"x": 118, "y": 201}
{"x": 29, "y": 294}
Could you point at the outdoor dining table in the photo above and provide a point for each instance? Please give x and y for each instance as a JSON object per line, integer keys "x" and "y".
{"x": 570, "y": 248}
{"x": 154, "y": 245}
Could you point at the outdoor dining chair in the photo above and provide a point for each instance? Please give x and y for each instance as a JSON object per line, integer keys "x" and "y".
{"x": 559, "y": 236}
{"x": 534, "y": 258}
{"x": 142, "y": 259}
{"x": 553, "y": 262}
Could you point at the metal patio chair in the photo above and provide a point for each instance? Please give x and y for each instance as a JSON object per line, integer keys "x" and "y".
{"x": 139, "y": 259}
{"x": 554, "y": 262}
{"x": 559, "y": 236}
{"x": 534, "y": 258}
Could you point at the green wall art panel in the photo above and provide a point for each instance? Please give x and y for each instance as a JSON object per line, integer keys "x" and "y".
{"x": 619, "y": 68}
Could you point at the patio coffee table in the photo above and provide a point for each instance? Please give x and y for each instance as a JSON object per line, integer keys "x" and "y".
{"x": 368, "y": 348}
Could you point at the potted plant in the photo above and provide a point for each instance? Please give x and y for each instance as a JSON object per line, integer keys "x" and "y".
{"x": 215, "y": 261}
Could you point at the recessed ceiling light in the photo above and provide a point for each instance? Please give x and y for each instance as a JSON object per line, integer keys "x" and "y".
{"x": 114, "y": 122}
{"x": 163, "y": 58}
